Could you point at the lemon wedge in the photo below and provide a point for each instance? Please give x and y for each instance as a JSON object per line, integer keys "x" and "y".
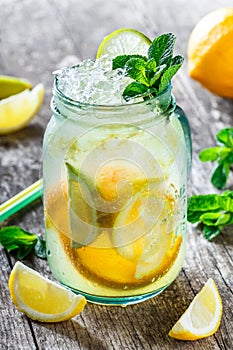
{"x": 203, "y": 316}
{"x": 124, "y": 41}
{"x": 18, "y": 110}
{"x": 41, "y": 299}
{"x": 11, "y": 85}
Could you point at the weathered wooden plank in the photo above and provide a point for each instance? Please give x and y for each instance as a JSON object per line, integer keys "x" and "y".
{"x": 33, "y": 51}
{"x": 15, "y": 327}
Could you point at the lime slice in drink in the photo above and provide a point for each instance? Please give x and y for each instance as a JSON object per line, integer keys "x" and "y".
{"x": 11, "y": 85}
{"x": 82, "y": 212}
{"x": 124, "y": 41}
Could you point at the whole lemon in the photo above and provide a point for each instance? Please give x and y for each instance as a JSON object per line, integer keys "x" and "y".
{"x": 210, "y": 52}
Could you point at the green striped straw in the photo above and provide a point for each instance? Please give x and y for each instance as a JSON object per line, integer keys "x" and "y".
{"x": 21, "y": 200}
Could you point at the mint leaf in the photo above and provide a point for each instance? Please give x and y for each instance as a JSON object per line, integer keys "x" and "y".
{"x": 177, "y": 60}
{"x": 161, "y": 49}
{"x": 211, "y": 232}
{"x": 40, "y": 248}
{"x": 167, "y": 76}
{"x": 136, "y": 89}
{"x": 211, "y": 219}
{"x": 225, "y": 136}
{"x": 203, "y": 202}
{"x": 213, "y": 211}
{"x": 14, "y": 238}
{"x": 209, "y": 154}
{"x": 223, "y": 155}
{"x": 153, "y": 72}
{"x": 120, "y": 61}
{"x": 136, "y": 69}
{"x": 226, "y": 201}
{"x": 155, "y": 78}
{"x": 150, "y": 69}
{"x": 194, "y": 216}
{"x": 151, "y": 65}
{"x": 221, "y": 173}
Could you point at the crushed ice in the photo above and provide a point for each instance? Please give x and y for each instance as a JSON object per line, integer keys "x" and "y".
{"x": 93, "y": 82}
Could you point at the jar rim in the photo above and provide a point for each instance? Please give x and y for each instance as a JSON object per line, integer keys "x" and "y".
{"x": 74, "y": 103}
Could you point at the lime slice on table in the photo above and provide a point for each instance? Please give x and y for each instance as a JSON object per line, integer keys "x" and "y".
{"x": 124, "y": 41}
{"x": 11, "y": 85}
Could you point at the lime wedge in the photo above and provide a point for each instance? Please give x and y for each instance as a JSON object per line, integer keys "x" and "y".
{"x": 82, "y": 212}
{"x": 11, "y": 85}
{"x": 124, "y": 41}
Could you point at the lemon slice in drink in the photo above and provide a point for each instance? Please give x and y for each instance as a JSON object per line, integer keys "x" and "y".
{"x": 140, "y": 234}
{"x": 18, "y": 110}
{"x": 124, "y": 41}
{"x": 203, "y": 316}
{"x": 159, "y": 253}
{"x": 134, "y": 221}
{"x": 11, "y": 85}
{"x": 41, "y": 299}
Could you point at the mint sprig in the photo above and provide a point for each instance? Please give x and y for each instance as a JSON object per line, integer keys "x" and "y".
{"x": 213, "y": 211}
{"x": 223, "y": 155}
{"x": 14, "y": 238}
{"x": 151, "y": 74}
{"x": 161, "y": 49}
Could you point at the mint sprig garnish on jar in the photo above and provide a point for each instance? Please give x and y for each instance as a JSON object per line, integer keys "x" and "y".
{"x": 153, "y": 73}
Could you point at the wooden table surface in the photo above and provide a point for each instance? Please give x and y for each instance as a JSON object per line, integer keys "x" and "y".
{"x": 36, "y": 38}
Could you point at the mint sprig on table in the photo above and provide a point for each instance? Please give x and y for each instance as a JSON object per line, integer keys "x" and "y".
{"x": 14, "y": 238}
{"x": 223, "y": 155}
{"x": 153, "y": 73}
{"x": 213, "y": 211}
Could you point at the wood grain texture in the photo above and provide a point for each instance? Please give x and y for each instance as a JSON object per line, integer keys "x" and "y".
{"x": 35, "y": 39}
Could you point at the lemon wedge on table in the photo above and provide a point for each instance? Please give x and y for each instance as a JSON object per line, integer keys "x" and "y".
{"x": 124, "y": 41}
{"x": 11, "y": 85}
{"x": 41, "y": 299}
{"x": 18, "y": 110}
{"x": 210, "y": 52}
{"x": 203, "y": 316}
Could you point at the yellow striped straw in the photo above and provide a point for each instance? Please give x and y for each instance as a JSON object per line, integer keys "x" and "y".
{"x": 21, "y": 200}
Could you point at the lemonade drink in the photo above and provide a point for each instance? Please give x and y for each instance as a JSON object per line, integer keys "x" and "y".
{"x": 115, "y": 177}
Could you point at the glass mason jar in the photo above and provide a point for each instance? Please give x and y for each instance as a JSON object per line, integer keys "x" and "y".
{"x": 115, "y": 180}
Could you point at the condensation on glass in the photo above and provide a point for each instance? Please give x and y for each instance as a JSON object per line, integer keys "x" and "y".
{"x": 115, "y": 184}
